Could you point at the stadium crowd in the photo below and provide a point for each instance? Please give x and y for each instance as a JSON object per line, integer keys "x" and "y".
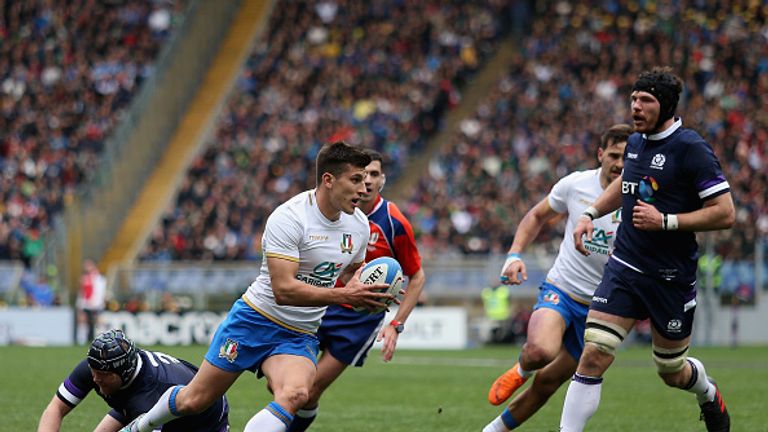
{"x": 67, "y": 70}
{"x": 324, "y": 79}
{"x": 379, "y": 74}
{"x": 571, "y": 81}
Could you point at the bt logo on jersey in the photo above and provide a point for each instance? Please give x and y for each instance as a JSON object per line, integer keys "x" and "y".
{"x": 628, "y": 187}
{"x": 645, "y": 189}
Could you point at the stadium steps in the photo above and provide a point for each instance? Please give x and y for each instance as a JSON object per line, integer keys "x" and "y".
{"x": 190, "y": 134}
{"x": 476, "y": 90}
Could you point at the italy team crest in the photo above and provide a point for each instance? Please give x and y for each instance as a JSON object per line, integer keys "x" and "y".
{"x": 346, "y": 243}
{"x": 552, "y": 297}
{"x": 228, "y": 350}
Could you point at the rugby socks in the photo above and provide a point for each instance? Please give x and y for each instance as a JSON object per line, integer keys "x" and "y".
{"x": 581, "y": 402}
{"x": 699, "y": 383}
{"x": 503, "y": 423}
{"x": 302, "y": 420}
{"x": 273, "y": 418}
{"x": 163, "y": 411}
{"x": 524, "y": 373}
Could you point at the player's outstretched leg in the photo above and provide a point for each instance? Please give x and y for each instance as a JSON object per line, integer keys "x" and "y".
{"x": 544, "y": 341}
{"x": 711, "y": 403}
{"x": 530, "y": 400}
{"x": 714, "y": 414}
{"x": 507, "y": 384}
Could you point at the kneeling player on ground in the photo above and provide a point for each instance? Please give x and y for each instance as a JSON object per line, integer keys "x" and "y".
{"x": 130, "y": 380}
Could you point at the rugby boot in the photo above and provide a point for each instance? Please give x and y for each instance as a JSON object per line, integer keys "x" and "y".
{"x": 505, "y": 385}
{"x": 714, "y": 413}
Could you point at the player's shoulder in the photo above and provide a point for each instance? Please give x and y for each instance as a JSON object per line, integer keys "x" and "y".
{"x": 358, "y": 218}
{"x": 689, "y": 138}
{"x": 300, "y": 201}
{"x": 394, "y": 211}
{"x": 295, "y": 207}
{"x": 82, "y": 370}
{"x": 578, "y": 177}
{"x": 634, "y": 140}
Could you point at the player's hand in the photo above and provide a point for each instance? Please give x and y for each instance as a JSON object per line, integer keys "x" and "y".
{"x": 389, "y": 334}
{"x": 583, "y": 228}
{"x": 646, "y": 217}
{"x": 510, "y": 271}
{"x": 359, "y": 294}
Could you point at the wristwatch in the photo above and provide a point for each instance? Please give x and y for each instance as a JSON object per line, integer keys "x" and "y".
{"x": 399, "y": 327}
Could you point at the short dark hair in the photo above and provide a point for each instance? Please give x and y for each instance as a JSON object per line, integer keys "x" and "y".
{"x": 665, "y": 86}
{"x": 375, "y": 155}
{"x": 334, "y": 157}
{"x": 615, "y": 134}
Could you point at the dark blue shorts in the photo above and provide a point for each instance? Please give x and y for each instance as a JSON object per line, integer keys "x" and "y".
{"x": 627, "y": 293}
{"x": 574, "y": 314}
{"x": 246, "y": 338}
{"x": 348, "y": 335}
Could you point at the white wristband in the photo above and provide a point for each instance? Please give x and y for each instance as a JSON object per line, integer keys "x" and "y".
{"x": 669, "y": 222}
{"x": 511, "y": 257}
{"x": 591, "y": 212}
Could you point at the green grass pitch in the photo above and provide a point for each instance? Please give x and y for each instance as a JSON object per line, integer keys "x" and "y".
{"x": 426, "y": 391}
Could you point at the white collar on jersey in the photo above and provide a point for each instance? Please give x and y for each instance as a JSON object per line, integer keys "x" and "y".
{"x": 661, "y": 135}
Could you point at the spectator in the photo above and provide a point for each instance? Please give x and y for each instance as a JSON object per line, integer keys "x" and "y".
{"x": 91, "y": 301}
{"x": 67, "y": 70}
{"x": 376, "y": 74}
{"x": 531, "y": 130}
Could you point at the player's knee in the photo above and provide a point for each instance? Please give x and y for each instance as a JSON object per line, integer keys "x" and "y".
{"x": 604, "y": 336}
{"x": 537, "y": 355}
{"x": 314, "y": 396}
{"x": 293, "y": 398}
{"x": 669, "y": 362}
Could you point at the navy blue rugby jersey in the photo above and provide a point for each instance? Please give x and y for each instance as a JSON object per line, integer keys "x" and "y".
{"x": 675, "y": 171}
{"x": 156, "y": 373}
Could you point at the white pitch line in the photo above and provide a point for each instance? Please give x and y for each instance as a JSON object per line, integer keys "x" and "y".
{"x": 466, "y": 362}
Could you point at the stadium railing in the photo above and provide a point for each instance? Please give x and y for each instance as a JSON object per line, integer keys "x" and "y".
{"x": 10, "y": 279}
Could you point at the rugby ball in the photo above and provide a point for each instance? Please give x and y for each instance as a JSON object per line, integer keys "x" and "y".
{"x": 384, "y": 270}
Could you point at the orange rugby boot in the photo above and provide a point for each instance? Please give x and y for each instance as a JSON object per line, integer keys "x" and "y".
{"x": 505, "y": 385}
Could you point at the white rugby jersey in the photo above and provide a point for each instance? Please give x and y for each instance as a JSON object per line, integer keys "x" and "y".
{"x": 573, "y": 272}
{"x": 297, "y": 231}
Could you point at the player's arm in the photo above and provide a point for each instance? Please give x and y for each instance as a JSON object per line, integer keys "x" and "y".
{"x": 388, "y": 333}
{"x": 717, "y": 213}
{"x": 348, "y": 272}
{"x": 290, "y": 291}
{"x": 607, "y": 202}
{"x": 108, "y": 424}
{"x": 50, "y": 420}
{"x": 415, "y": 286}
{"x": 526, "y": 232}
